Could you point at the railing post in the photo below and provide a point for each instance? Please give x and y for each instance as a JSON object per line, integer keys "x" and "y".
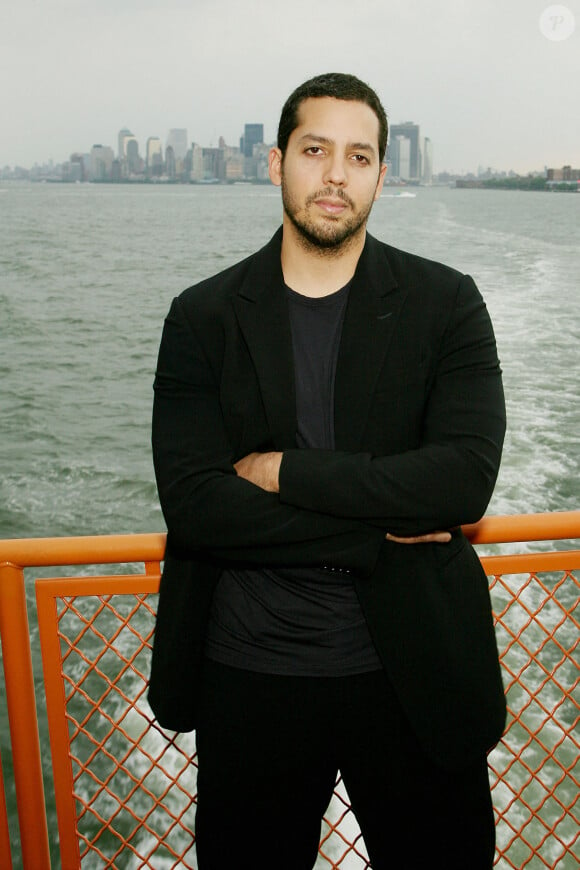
{"x": 5, "y": 854}
{"x": 20, "y": 695}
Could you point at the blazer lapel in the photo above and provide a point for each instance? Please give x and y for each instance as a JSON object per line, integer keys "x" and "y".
{"x": 262, "y": 311}
{"x": 375, "y": 301}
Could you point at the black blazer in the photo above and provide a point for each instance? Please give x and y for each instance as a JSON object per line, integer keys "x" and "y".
{"x": 419, "y": 426}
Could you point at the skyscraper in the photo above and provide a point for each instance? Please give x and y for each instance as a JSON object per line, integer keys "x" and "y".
{"x": 177, "y": 139}
{"x": 100, "y": 163}
{"x": 154, "y": 156}
{"x": 134, "y": 162}
{"x": 409, "y": 131}
{"x": 123, "y": 137}
{"x": 427, "y": 177}
{"x": 170, "y": 163}
{"x": 253, "y": 135}
{"x": 400, "y": 157}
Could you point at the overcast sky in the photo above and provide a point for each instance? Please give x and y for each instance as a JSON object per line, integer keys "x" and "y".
{"x": 478, "y": 76}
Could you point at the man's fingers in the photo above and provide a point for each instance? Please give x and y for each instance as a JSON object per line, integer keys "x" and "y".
{"x": 430, "y": 538}
{"x": 261, "y": 469}
{"x": 244, "y": 466}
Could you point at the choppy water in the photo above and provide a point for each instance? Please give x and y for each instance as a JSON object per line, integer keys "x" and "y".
{"x": 87, "y": 273}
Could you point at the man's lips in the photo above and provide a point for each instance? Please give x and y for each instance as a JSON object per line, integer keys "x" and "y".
{"x": 331, "y": 205}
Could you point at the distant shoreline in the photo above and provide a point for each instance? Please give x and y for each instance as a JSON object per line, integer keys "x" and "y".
{"x": 534, "y": 184}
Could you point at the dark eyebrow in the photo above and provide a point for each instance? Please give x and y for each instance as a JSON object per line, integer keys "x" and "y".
{"x": 361, "y": 146}
{"x": 353, "y": 146}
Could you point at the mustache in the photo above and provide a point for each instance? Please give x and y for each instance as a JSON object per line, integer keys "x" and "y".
{"x": 330, "y": 193}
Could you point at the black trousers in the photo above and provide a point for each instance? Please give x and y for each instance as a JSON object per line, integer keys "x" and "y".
{"x": 269, "y": 749}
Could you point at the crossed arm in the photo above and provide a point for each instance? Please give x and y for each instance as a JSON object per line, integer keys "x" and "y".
{"x": 304, "y": 507}
{"x": 263, "y": 470}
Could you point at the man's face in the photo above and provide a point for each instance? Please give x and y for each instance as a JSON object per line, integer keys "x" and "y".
{"x": 331, "y": 173}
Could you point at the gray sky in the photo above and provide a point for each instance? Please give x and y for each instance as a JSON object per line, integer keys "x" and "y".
{"x": 479, "y": 77}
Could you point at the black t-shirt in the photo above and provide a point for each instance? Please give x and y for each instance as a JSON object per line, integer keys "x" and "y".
{"x": 298, "y": 621}
{"x": 316, "y": 328}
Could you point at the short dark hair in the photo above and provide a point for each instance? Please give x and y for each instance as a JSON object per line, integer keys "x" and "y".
{"x": 341, "y": 86}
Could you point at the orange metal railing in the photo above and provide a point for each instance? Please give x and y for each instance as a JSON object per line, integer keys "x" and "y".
{"x": 5, "y": 852}
{"x": 125, "y": 789}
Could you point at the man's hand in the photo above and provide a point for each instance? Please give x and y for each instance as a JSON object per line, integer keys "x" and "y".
{"x": 430, "y": 538}
{"x": 262, "y": 469}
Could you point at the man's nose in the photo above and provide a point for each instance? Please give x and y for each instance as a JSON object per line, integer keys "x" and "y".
{"x": 335, "y": 171}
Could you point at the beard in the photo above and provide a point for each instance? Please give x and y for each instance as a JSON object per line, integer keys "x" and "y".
{"x": 329, "y": 234}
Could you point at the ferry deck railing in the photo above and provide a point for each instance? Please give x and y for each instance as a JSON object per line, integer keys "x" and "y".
{"x": 124, "y": 789}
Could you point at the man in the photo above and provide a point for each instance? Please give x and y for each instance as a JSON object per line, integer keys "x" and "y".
{"x": 324, "y": 412}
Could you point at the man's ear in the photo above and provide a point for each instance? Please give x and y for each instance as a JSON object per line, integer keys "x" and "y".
{"x": 380, "y": 182}
{"x": 275, "y": 166}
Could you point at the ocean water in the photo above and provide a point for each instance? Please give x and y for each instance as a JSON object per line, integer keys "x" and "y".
{"x": 87, "y": 273}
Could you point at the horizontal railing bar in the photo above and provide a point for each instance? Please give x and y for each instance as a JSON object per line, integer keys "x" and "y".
{"x": 113, "y": 584}
{"x": 150, "y": 547}
{"x": 556, "y": 526}
{"x": 84, "y": 550}
{"x": 531, "y": 563}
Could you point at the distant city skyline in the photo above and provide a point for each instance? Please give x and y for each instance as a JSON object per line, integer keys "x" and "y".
{"x": 395, "y": 130}
{"x": 409, "y": 156}
{"x": 491, "y": 84}
{"x": 153, "y": 146}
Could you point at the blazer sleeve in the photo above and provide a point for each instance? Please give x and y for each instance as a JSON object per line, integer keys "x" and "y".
{"x": 206, "y": 506}
{"x": 448, "y": 480}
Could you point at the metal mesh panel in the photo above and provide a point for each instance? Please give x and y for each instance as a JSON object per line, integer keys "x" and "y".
{"x": 134, "y": 784}
{"x": 535, "y": 769}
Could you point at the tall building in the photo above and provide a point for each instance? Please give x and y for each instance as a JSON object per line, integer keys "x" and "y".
{"x": 79, "y": 166}
{"x": 427, "y": 177}
{"x": 261, "y": 154}
{"x": 253, "y": 135}
{"x": 196, "y": 162}
{"x": 177, "y": 139}
{"x": 154, "y": 156}
{"x": 123, "y": 137}
{"x": 213, "y": 164}
{"x": 170, "y": 162}
{"x": 101, "y": 163}
{"x": 134, "y": 162}
{"x": 235, "y": 166}
{"x": 400, "y": 157}
{"x": 407, "y": 131}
